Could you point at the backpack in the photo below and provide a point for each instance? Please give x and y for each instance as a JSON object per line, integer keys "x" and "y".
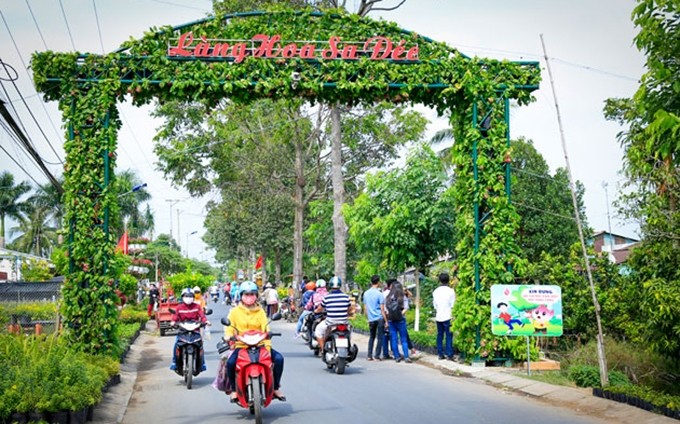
{"x": 394, "y": 309}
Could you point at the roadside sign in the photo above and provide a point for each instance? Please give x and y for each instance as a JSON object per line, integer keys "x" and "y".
{"x": 526, "y": 310}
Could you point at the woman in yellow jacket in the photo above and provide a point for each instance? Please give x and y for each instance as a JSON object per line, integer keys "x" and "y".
{"x": 248, "y": 315}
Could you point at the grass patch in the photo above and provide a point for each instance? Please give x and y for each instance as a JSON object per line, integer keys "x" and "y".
{"x": 556, "y": 377}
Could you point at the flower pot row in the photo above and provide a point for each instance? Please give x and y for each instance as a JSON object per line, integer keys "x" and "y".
{"x": 58, "y": 417}
{"x": 637, "y": 402}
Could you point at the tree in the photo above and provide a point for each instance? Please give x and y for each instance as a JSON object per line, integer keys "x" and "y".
{"x": 132, "y": 218}
{"x": 10, "y": 205}
{"x": 404, "y": 215}
{"x": 164, "y": 251}
{"x": 544, "y": 204}
{"x": 36, "y": 235}
{"x": 652, "y": 166}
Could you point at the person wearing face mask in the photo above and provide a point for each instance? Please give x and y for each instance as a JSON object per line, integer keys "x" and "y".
{"x": 248, "y": 315}
{"x": 188, "y": 310}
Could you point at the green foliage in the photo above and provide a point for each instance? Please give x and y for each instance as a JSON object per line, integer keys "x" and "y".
{"x": 130, "y": 315}
{"x": 189, "y": 279}
{"x": 589, "y": 376}
{"x": 652, "y": 166}
{"x": 36, "y": 270}
{"x": 403, "y": 215}
{"x": 44, "y": 374}
{"x": 544, "y": 204}
{"x": 128, "y": 285}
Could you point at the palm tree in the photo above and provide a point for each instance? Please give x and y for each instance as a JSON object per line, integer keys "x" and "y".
{"x": 10, "y": 206}
{"x": 129, "y": 202}
{"x": 36, "y": 234}
{"x": 47, "y": 196}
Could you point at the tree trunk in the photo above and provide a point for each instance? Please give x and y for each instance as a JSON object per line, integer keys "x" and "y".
{"x": 339, "y": 226}
{"x": 299, "y": 217}
{"x": 416, "y": 323}
{"x": 277, "y": 265}
{"x": 2, "y": 231}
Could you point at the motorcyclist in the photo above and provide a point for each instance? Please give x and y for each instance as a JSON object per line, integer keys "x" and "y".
{"x": 188, "y": 310}
{"x": 215, "y": 292}
{"x": 309, "y": 292}
{"x": 249, "y": 315}
{"x": 338, "y": 309}
{"x": 154, "y": 295}
{"x": 234, "y": 292}
{"x": 198, "y": 296}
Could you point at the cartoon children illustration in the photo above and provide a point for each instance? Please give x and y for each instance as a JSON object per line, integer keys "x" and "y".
{"x": 540, "y": 317}
{"x": 507, "y": 318}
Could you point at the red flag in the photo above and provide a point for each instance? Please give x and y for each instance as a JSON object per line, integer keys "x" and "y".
{"x": 123, "y": 243}
{"x": 258, "y": 264}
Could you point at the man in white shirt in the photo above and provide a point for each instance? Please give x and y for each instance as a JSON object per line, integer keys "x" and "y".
{"x": 443, "y": 298}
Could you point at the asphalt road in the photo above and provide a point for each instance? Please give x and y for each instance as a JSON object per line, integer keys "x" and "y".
{"x": 368, "y": 392}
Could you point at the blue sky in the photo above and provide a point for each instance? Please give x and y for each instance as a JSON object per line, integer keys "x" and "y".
{"x": 590, "y": 45}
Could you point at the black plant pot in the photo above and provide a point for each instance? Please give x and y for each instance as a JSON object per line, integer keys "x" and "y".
{"x": 115, "y": 379}
{"x": 18, "y": 417}
{"x": 90, "y": 413}
{"x": 597, "y": 392}
{"x": 78, "y": 417}
{"x": 36, "y": 416}
{"x": 606, "y": 394}
{"x": 59, "y": 417}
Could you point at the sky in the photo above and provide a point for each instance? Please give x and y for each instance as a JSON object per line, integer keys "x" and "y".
{"x": 589, "y": 45}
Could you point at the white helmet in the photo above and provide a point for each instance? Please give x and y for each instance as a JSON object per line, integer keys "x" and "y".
{"x": 320, "y": 283}
{"x": 197, "y": 289}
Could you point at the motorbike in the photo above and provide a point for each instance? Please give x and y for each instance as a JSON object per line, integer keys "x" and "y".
{"x": 308, "y": 327}
{"x": 254, "y": 369}
{"x": 189, "y": 349}
{"x": 288, "y": 310}
{"x": 338, "y": 348}
{"x": 215, "y": 298}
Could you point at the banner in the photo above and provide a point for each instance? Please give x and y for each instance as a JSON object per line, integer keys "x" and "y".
{"x": 258, "y": 264}
{"x": 524, "y": 310}
{"x": 123, "y": 243}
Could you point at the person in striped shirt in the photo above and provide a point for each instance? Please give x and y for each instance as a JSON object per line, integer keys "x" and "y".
{"x": 338, "y": 309}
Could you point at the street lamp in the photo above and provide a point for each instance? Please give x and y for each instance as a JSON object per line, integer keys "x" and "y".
{"x": 189, "y": 234}
{"x": 135, "y": 188}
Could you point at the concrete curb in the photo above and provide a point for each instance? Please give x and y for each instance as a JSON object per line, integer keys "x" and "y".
{"x": 580, "y": 400}
{"x": 111, "y": 410}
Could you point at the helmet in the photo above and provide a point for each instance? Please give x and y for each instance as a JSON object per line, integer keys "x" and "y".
{"x": 310, "y": 286}
{"x": 247, "y": 287}
{"x": 321, "y": 282}
{"x": 268, "y": 286}
{"x": 187, "y": 292}
{"x": 197, "y": 289}
{"x": 335, "y": 283}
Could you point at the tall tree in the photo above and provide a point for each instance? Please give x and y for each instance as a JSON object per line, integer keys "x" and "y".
{"x": 36, "y": 234}
{"x": 652, "y": 166}
{"x": 544, "y": 204}
{"x": 132, "y": 218}
{"x": 10, "y": 204}
{"x": 405, "y": 215}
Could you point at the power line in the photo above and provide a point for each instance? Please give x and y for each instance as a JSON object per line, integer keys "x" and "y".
{"x": 4, "y": 112}
{"x": 68, "y": 28}
{"x": 99, "y": 28}
{"x": 35, "y": 21}
{"x": 20, "y": 167}
{"x": 32, "y": 116}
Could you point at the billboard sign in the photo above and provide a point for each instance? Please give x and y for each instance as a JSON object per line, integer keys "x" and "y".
{"x": 526, "y": 310}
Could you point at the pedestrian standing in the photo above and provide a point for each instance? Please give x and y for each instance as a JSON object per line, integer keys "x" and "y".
{"x": 386, "y": 330}
{"x": 443, "y": 298}
{"x": 394, "y": 308}
{"x": 375, "y": 310}
{"x": 154, "y": 294}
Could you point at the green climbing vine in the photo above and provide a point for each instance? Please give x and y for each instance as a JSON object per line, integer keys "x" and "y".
{"x": 88, "y": 86}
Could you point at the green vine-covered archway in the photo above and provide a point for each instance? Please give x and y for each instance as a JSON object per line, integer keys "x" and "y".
{"x": 338, "y": 58}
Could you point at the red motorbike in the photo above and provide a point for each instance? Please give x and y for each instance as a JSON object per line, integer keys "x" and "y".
{"x": 254, "y": 369}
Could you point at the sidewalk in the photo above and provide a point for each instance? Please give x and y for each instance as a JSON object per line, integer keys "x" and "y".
{"x": 112, "y": 408}
{"x": 578, "y": 399}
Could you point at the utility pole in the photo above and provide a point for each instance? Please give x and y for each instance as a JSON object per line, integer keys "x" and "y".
{"x": 609, "y": 222}
{"x": 179, "y": 236}
{"x": 602, "y": 359}
{"x": 172, "y": 202}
